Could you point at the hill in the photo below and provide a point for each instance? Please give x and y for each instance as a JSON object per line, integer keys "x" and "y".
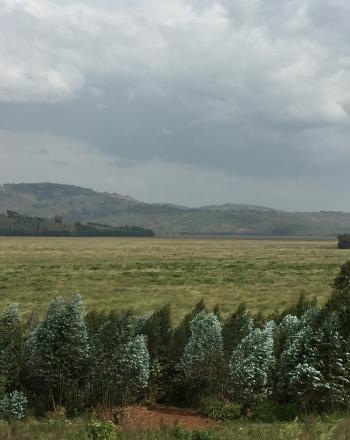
{"x": 76, "y": 204}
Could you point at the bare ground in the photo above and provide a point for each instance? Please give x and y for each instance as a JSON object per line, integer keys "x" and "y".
{"x": 153, "y": 417}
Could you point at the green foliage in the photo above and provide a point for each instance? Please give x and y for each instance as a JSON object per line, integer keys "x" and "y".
{"x": 302, "y": 305}
{"x": 251, "y": 364}
{"x": 269, "y": 412}
{"x": 120, "y": 361}
{"x": 220, "y": 410}
{"x": 334, "y": 361}
{"x": 117, "y": 359}
{"x": 13, "y": 406}
{"x": 344, "y": 241}
{"x": 300, "y": 375}
{"x": 101, "y": 430}
{"x": 13, "y": 224}
{"x": 236, "y": 327}
{"x": 202, "y": 358}
{"x": 159, "y": 334}
{"x": 11, "y": 344}
{"x": 292, "y": 431}
{"x": 183, "y": 332}
{"x": 58, "y": 351}
{"x": 339, "y": 302}
{"x": 158, "y": 330}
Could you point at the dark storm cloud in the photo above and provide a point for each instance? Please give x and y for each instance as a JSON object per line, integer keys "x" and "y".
{"x": 252, "y": 90}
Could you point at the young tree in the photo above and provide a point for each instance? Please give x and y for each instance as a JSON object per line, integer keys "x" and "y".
{"x": 158, "y": 330}
{"x": 301, "y": 378}
{"x": 250, "y": 365}
{"x": 11, "y": 344}
{"x": 183, "y": 332}
{"x": 159, "y": 335}
{"x": 120, "y": 361}
{"x": 339, "y": 302}
{"x": 58, "y": 351}
{"x": 302, "y": 305}
{"x": 301, "y": 367}
{"x": 334, "y": 366}
{"x": 202, "y": 358}
{"x": 236, "y": 327}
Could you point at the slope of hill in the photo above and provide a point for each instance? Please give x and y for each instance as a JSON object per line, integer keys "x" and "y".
{"x": 80, "y": 204}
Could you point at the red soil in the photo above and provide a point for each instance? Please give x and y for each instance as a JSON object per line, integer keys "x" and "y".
{"x": 150, "y": 418}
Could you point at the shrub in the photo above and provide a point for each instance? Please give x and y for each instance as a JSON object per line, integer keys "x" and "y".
{"x": 344, "y": 241}
{"x": 269, "y": 413}
{"x": 101, "y": 430}
{"x": 291, "y": 431}
{"x": 13, "y": 406}
{"x": 220, "y": 410}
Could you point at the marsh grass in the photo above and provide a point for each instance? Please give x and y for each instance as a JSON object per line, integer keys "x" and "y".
{"x": 143, "y": 274}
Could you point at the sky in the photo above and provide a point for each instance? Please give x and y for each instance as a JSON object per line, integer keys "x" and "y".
{"x": 191, "y": 102}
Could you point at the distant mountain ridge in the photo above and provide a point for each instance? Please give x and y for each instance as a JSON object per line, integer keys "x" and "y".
{"x": 75, "y": 203}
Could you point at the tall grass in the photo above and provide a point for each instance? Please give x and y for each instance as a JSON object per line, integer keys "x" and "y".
{"x": 143, "y": 274}
{"x": 62, "y": 429}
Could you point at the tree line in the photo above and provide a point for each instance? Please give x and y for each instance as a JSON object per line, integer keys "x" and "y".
{"x": 14, "y": 224}
{"x": 344, "y": 241}
{"x": 298, "y": 358}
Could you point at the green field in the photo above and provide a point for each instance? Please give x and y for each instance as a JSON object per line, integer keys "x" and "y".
{"x": 142, "y": 274}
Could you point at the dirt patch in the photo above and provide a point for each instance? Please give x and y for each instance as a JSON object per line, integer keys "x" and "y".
{"x": 153, "y": 417}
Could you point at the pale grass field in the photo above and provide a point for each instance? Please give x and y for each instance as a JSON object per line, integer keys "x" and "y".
{"x": 143, "y": 274}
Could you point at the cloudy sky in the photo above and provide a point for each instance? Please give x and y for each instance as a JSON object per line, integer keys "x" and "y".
{"x": 186, "y": 101}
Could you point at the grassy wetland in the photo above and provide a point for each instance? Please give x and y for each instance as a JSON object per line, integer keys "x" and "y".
{"x": 143, "y": 274}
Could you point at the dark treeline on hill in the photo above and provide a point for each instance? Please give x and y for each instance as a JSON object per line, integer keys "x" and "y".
{"x": 14, "y": 224}
{"x": 344, "y": 241}
{"x": 266, "y": 367}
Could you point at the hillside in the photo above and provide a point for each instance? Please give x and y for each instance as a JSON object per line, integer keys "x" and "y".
{"x": 86, "y": 205}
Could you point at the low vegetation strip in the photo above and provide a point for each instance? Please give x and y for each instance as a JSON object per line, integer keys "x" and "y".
{"x": 14, "y": 224}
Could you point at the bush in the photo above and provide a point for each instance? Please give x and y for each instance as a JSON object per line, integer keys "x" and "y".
{"x": 13, "y": 406}
{"x": 178, "y": 434}
{"x": 344, "y": 241}
{"x": 291, "y": 431}
{"x": 221, "y": 410}
{"x": 269, "y": 413}
{"x": 101, "y": 430}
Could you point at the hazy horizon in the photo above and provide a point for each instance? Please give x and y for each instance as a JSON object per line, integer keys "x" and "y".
{"x": 187, "y": 102}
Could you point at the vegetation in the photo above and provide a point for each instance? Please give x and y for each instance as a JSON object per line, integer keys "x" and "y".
{"x": 143, "y": 275}
{"x": 84, "y": 429}
{"x": 239, "y": 367}
{"x": 77, "y": 204}
{"x": 344, "y": 241}
{"x": 280, "y": 369}
{"x": 14, "y": 224}
{"x": 111, "y": 360}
